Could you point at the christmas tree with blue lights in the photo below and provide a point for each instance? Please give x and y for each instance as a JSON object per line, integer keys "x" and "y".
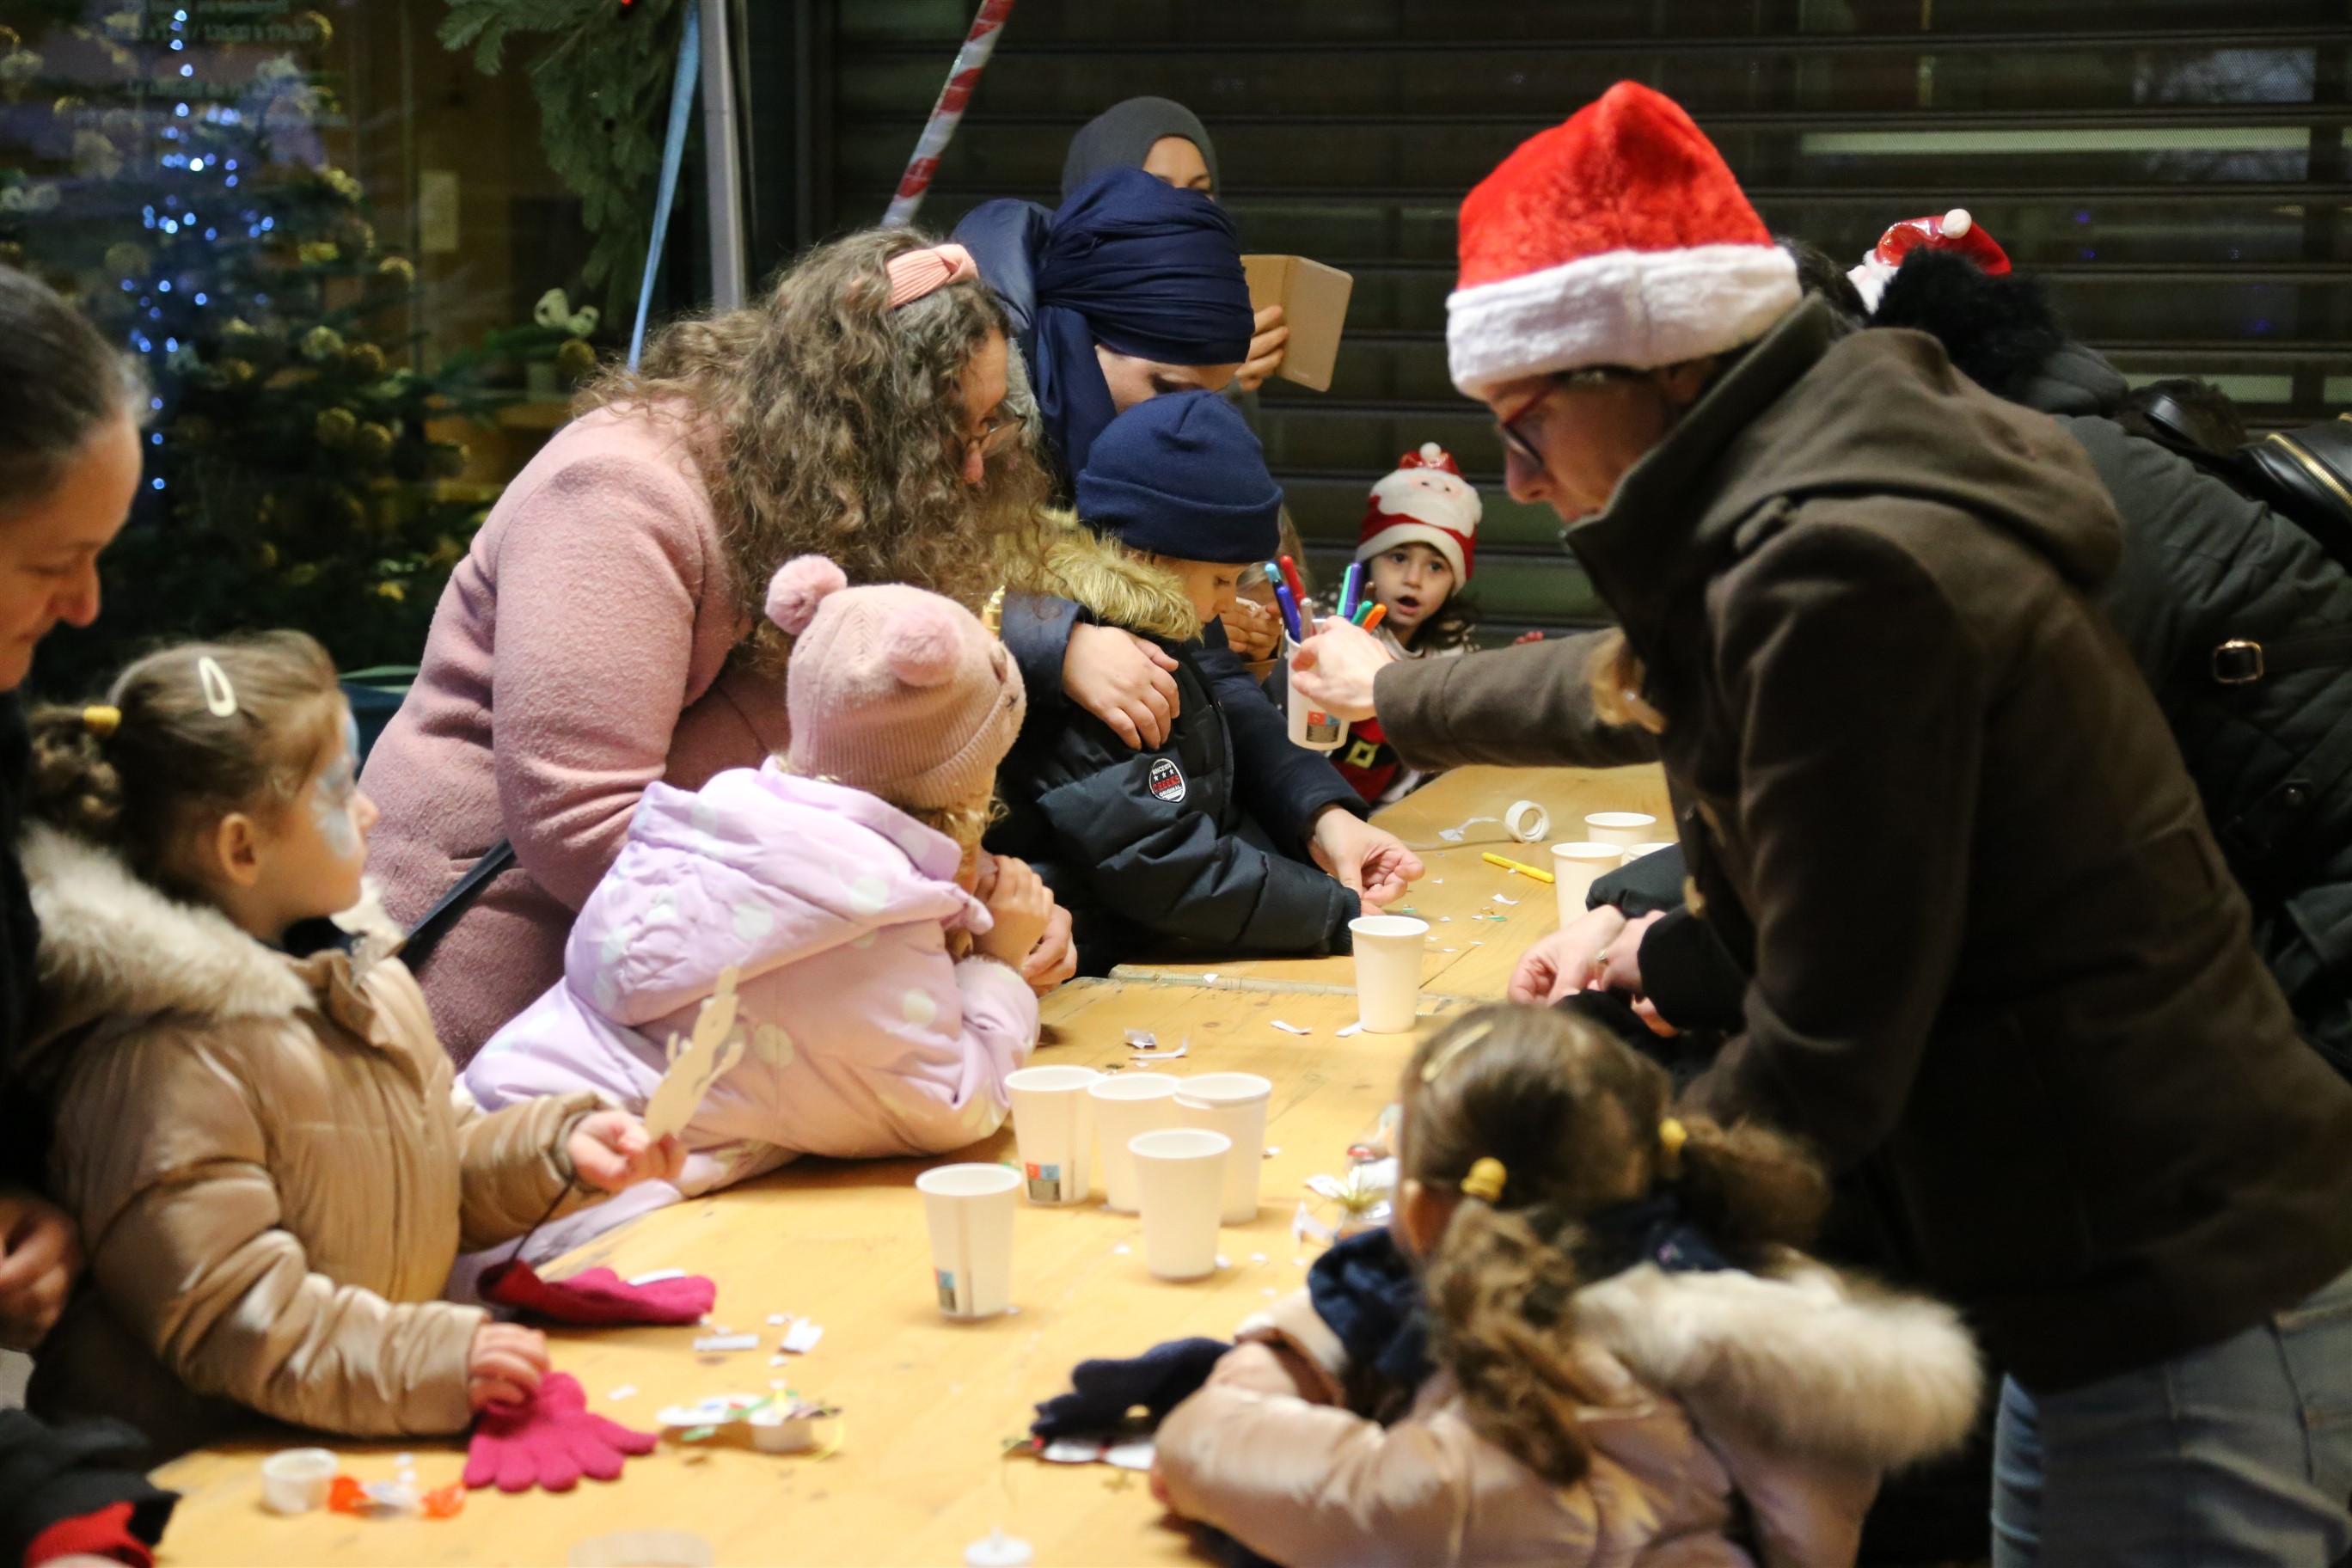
{"x": 168, "y": 173}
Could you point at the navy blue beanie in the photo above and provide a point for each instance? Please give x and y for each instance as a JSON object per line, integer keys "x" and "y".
{"x": 1182, "y": 476}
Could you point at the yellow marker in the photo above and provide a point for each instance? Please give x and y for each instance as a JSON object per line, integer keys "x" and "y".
{"x": 1494, "y": 859}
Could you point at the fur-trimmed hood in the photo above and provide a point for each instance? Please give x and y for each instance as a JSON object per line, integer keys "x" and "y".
{"x": 1111, "y": 584}
{"x": 113, "y": 944}
{"x": 1807, "y": 1361}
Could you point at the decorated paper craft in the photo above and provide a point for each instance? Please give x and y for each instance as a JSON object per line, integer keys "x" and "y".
{"x": 701, "y": 1061}
{"x": 780, "y": 1422}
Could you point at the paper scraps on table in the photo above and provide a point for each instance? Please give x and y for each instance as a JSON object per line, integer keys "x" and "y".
{"x": 1289, "y": 1028}
{"x": 1166, "y": 1055}
{"x": 1141, "y": 1040}
{"x": 1500, "y": 899}
{"x": 803, "y": 1336}
{"x": 1123, "y": 1249}
{"x": 778, "y": 1320}
{"x": 1355, "y": 1028}
{"x": 1305, "y": 1228}
{"x": 697, "y": 1062}
{"x": 715, "y": 1344}
{"x": 1129, "y": 1455}
{"x": 627, "y": 1391}
{"x": 393, "y": 1499}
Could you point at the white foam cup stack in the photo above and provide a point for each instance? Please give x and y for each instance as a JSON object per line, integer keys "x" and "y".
{"x": 1389, "y": 949}
{"x": 1054, "y": 1122}
{"x": 1125, "y": 1105}
{"x": 970, "y": 1211}
{"x": 1619, "y": 828}
{"x": 1179, "y": 1175}
{"x": 1311, "y": 726}
{"x": 1233, "y": 1103}
{"x": 1574, "y": 868}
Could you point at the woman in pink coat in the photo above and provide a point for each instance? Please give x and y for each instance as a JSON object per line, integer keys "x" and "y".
{"x": 879, "y": 1005}
{"x": 599, "y": 637}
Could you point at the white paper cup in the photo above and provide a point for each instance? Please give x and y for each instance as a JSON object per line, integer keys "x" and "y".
{"x": 1619, "y": 828}
{"x": 1389, "y": 951}
{"x": 970, "y": 1211}
{"x": 1053, "y": 1118}
{"x": 1574, "y": 868}
{"x": 1635, "y": 851}
{"x": 1233, "y": 1103}
{"x": 1127, "y": 1104}
{"x": 1179, "y": 1172}
{"x": 295, "y": 1480}
{"x": 1311, "y": 726}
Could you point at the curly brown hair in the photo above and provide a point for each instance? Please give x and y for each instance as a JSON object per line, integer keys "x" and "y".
{"x": 835, "y": 426}
{"x": 1573, "y": 1114}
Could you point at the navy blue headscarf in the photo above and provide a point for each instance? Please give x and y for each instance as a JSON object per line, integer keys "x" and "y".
{"x": 1142, "y": 269}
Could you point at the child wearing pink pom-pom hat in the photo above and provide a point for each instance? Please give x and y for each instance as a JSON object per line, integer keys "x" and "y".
{"x": 880, "y": 1000}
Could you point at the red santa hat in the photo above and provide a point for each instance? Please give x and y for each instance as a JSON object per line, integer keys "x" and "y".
{"x": 1956, "y": 230}
{"x": 1618, "y": 238}
{"x": 1427, "y": 501}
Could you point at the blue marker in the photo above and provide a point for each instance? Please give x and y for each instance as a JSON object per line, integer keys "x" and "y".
{"x": 1289, "y": 612}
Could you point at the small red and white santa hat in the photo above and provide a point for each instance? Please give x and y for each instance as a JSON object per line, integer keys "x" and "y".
{"x": 1618, "y": 238}
{"x": 1427, "y": 501}
{"x": 1956, "y": 231}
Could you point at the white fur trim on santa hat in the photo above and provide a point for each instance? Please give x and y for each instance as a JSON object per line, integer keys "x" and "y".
{"x": 1640, "y": 309}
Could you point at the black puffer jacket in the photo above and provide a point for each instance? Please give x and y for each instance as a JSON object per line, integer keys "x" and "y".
{"x": 1151, "y": 850}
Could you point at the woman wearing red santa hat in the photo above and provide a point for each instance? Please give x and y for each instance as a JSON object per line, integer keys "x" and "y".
{"x": 1930, "y": 805}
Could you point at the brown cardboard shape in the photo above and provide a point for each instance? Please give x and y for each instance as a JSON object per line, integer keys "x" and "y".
{"x": 1314, "y": 300}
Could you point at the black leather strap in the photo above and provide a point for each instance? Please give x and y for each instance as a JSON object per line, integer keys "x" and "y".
{"x": 426, "y": 933}
{"x": 2242, "y": 661}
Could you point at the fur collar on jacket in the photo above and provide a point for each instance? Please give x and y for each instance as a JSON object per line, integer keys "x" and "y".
{"x": 1810, "y": 1362}
{"x": 1109, "y": 583}
{"x": 111, "y": 944}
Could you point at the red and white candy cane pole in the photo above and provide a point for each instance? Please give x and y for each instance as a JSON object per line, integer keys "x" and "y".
{"x": 971, "y": 60}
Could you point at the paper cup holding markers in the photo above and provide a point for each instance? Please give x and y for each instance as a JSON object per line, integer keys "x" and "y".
{"x": 1311, "y": 726}
{"x": 1389, "y": 949}
{"x": 1127, "y": 1105}
{"x": 1233, "y": 1103}
{"x": 1574, "y": 868}
{"x": 1621, "y": 828}
{"x": 969, "y": 1209}
{"x": 1179, "y": 1176}
{"x": 1054, "y": 1121}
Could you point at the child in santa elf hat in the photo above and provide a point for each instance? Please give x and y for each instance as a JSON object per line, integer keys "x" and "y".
{"x": 1419, "y": 541}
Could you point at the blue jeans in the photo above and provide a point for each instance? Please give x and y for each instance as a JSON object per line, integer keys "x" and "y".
{"x": 2237, "y": 1454}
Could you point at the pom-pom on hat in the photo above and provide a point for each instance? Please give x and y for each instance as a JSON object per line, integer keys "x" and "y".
{"x": 891, "y": 689}
{"x": 1182, "y": 476}
{"x": 1426, "y": 500}
{"x": 1617, "y": 238}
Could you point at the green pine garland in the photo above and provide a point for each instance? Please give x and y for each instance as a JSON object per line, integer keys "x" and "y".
{"x": 602, "y": 83}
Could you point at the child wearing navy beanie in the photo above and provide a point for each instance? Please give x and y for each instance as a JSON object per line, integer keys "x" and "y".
{"x": 1150, "y": 850}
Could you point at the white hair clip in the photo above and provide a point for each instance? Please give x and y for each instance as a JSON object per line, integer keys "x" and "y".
{"x": 220, "y": 697}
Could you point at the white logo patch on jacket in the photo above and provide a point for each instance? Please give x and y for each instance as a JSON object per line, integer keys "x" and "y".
{"x": 1167, "y": 781}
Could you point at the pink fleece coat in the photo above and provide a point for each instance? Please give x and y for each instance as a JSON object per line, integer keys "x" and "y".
{"x": 579, "y": 654}
{"x": 863, "y": 1037}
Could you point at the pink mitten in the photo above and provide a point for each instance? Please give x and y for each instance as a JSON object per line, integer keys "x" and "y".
{"x": 598, "y": 1298}
{"x": 550, "y": 1442}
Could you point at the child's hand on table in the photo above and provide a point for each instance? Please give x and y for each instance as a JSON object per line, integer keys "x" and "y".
{"x": 1023, "y": 906}
{"x": 611, "y": 1152}
{"x": 1055, "y": 958}
{"x": 505, "y": 1365}
{"x": 1253, "y": 631}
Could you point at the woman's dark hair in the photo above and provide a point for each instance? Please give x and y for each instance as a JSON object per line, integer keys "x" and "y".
{"x": 60, "y": 382}
{"x": 140, "y": 780}
{"x": 1574, "y": 1116}
{"x": 1818, "y": 272}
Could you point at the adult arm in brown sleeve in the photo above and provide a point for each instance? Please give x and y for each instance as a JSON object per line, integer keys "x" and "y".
{"x": 1529, "y": 706}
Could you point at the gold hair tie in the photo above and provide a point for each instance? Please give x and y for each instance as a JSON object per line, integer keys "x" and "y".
{"x": 1672, "y": 1136}
{"x": 1485, "y": 1181}
{"x": 102, "y": 721}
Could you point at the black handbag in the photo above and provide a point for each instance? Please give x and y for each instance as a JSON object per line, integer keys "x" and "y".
{"x": 426, "y": 933}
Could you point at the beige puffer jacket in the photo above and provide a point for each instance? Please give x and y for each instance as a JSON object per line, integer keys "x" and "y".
{"x": 270, "y": 1171}
{"x": 1734, "y": 1420}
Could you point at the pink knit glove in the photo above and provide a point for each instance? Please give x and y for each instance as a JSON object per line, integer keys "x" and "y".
{"x": 598, "y": 1298}
{"x": 550, "y": 1442}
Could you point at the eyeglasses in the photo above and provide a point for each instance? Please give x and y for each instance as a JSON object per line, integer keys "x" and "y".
{"x": 996, "y": 437}
{"x": 1517, "y": 442}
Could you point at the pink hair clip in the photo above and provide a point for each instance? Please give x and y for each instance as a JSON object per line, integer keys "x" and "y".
{"x": 916, "y": 273}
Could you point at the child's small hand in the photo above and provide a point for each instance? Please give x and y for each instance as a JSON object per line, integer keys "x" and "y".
{"x": 505, "y": 1365}
{"x": 609, "y": 1152}
{"x": 1253, "y": 631}
{"x": 1023, "y": 906}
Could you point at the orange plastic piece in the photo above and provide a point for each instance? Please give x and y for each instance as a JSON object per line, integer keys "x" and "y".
{"x": 446, "y": 1502}
{"x": 345, "y": 1495}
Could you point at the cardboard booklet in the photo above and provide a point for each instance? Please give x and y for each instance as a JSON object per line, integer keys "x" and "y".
{"x": 1314, "y": 300}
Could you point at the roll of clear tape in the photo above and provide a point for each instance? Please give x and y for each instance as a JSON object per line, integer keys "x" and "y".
{"x": 1526, "y": 822}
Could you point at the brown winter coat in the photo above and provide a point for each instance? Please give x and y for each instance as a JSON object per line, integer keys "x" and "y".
{"x": 1934, "y": 810}
{"x": 270, "y": 1171}
{"x": 1731, "y": 1419}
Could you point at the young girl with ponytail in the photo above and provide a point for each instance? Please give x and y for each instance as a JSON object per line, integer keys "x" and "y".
{"x": 1614, "y": 1353}
{"x": 254, "y": 1123}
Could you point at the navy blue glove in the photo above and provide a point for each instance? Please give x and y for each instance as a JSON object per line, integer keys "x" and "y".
{"x": 1103, "y": 1392}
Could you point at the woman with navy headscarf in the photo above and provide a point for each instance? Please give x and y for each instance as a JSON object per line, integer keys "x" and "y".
{"x": 1133, "y": 289}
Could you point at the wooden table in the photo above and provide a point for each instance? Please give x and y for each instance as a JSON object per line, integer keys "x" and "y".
{"x": 1475, "y": 939}
{"x": 929, "y": 1404}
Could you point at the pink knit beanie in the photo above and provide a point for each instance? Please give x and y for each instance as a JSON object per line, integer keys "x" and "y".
{"x": 890, "y": 689}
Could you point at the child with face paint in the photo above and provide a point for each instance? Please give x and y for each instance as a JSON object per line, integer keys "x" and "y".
{"x": 256, "y": 1125}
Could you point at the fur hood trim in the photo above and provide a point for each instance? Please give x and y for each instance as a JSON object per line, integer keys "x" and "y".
{"x": 111, "y": 944}
{"x": 1811, "y": 1363}
{"x": 1113, "y": 585}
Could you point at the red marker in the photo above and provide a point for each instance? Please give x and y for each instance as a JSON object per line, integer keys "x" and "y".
{"x": 1297, "y": 585}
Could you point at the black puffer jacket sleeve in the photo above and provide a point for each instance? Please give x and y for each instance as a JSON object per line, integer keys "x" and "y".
{"x": 1036, "y": 630}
